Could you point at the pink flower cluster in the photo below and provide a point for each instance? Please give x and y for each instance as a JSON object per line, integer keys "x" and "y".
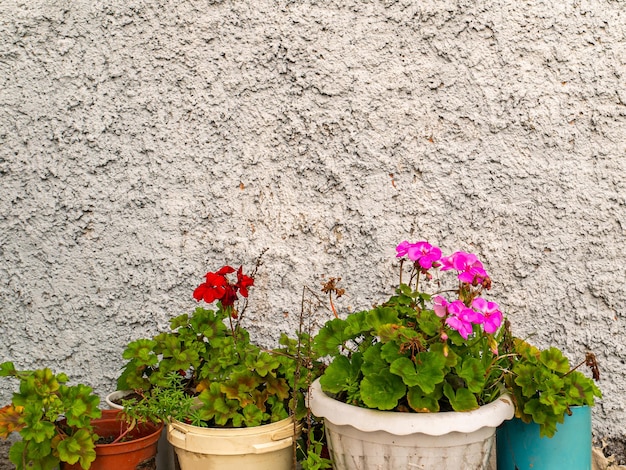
{"x": 423, "y": 253}
{"x": 469, "y": 268}
{"x": 470, "y": 271}
{"x": 462, "y": 318}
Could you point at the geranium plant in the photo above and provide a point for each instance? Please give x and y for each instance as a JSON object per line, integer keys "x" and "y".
{"x": 419, "y": 351}
{"x": 233, "y": 382}
{"x": 52, "y": 418}
{"x": 440, "y": 344}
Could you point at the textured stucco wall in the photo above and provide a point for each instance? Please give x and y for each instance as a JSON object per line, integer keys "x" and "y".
{"x": 143, "y": 143}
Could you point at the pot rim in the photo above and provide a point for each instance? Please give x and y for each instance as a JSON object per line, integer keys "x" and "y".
{"x": 114, "y": 395}
{"x": 401, "y": 424}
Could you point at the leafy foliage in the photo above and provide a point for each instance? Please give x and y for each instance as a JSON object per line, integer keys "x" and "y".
{"x": 313, "y": 454}
{"x": 36, "y": 413}
{"x": 545, "y": 387}
{"x": 233, "y": 382}
{"x": 392, "y": 357}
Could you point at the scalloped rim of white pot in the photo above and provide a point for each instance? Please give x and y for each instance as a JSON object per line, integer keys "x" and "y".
{"x": 109, "y": 399}
{"x": 402, "y": 424}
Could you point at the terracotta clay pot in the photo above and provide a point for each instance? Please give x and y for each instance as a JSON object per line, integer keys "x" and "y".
{"x": 137, "y": 452}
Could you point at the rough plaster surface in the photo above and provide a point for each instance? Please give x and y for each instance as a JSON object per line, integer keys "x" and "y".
{"x": 143, "y": 143}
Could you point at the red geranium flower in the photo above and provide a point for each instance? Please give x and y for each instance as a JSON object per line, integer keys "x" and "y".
{"x": 218, "y": 287}
{"x": 225, "y": 270}
{"x": 243, "y": 282}
{"x": 229, "y": 297}
{"x": 215, "y": 286}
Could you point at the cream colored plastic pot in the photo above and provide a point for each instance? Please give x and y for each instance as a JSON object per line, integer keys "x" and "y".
{"x": 267, "y": 447}
{"x": 363, "y": 439}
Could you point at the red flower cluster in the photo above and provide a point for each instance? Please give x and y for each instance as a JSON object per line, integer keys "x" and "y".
{"x": 218, "y": 287}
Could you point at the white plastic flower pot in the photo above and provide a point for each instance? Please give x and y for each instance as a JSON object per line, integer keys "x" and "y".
{"x": 113, "y": 397}
{"x": 267, "y": 447}
{"x": 363, "y": 439}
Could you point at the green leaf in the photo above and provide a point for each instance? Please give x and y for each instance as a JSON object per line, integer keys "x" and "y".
{"x": 36, "y": 457}
{"x": 534, "y": 408}
{"x": 405, "y": 290}
{"x": 180, "y": 320}
{"x": 41, "y": 451}
{"x": 218, "y": 407}
{"x": 429, "y": 323}
{"x": 399, "y": 334}
{"x": 342, "y": 374}
{"x": 42, "y": 382}
{"x": 277, "y": 386}
{"x": 525, "y": 378}
{"x": 422, "y": 402}
{"x": 427, "y": 371}
{"x": 554, "y": 360}
{"x": 209, "y": 324}
{"x": 141, "y": 351}
{"x": 330, "y": 338}
{"x": 452, "y": 358}
{"x": 253, "y": 416}
{"x": 381, "y": 316}
{"x": 16, "y": 454}
{"x": 372, "y": 360}
{"x": 356, "y": 324}
{"x": 239, "y": 386}
{"x": 390, "y": 352}
{"x": 278, "y": 410}
{"x": 81, "y": 405}
{"x": 557, "y": 404}
{"x": 461, "y": 399}
{"x": 38, "y": 431}
{"x": 582, "y": 389}
{"x": 405, "y": 368}
{"x": 382, "y": 391}
{"x": 262, "y": 364}
{"x": 7, "y": 369}
{"x": 543, "y": 416}
{"x": 78, "y": 448}
{"x": 473, "y": 372}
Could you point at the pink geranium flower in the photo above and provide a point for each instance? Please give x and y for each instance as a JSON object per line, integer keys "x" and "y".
{"x": 470, "y": 269}
{"x": 425, "y": 254}
{"x": 440, "y": 306}
{"x": 463, "y": 319}
{"x": 491, "y": 313}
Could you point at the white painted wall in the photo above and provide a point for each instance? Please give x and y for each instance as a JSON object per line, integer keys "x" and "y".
{"x": 142, "y": 144}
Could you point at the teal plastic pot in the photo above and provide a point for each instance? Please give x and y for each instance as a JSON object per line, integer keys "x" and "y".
{"x": 519, "y": 446}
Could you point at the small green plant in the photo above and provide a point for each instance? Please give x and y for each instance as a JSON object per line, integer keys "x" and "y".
{"x": 160, "y": 403}
{"x": 314, "y": 459}
{"x": 544, "y": 385}
{"x": 53, "y": 420}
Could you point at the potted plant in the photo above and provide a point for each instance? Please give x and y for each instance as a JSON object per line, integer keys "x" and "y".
{"x": 61, "y": 425}
{"x": 227, "y": 401}
{"x": 550, "y": 396}
{"x": 418, "y": 380}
